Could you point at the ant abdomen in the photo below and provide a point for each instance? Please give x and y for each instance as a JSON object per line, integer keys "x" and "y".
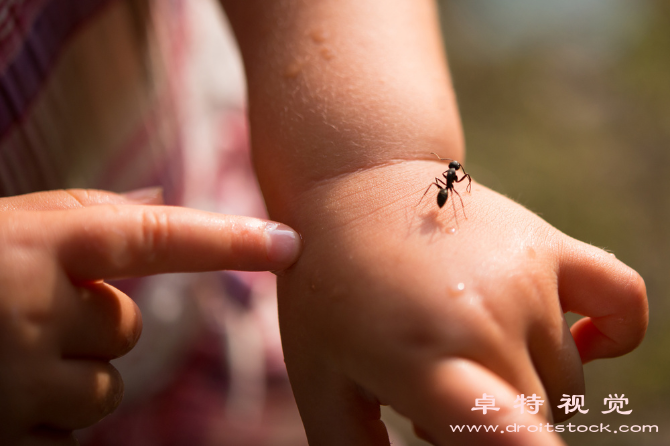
{"x": 442, "y": 196}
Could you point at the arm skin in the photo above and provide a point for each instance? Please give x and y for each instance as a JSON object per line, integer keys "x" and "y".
{"x": 347, "y": 98}
{"x": 336, "y": 86}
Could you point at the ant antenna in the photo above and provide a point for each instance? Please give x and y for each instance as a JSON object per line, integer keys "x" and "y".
{"x": 440, "y": 158}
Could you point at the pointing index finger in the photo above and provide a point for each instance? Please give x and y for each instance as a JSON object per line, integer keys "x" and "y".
{"x": 107, "y": 242}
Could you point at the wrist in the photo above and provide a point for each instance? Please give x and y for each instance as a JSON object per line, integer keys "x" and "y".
{"x": 380, "y": 196}
{"x": 303, "y": 179}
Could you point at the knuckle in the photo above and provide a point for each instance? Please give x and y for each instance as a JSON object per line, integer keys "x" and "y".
{"x": 128, "y": 335}
{"x": 537, "y": 288}
{"x": 109, "y": 392}
{"x": 99, "y": 394}
{"x": 120, "y": 323}
{"x": 80, "y": 196}
{"x": 154, "y": 236}
{"x": 144, "y": 239}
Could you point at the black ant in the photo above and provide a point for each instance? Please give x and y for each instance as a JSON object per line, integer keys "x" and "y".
{"x": 448, "y": 185}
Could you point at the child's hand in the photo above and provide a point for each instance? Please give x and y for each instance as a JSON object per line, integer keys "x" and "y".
{"x": 60, "y": 324}
{"x": 341, "y": 95}
{"x": 387, "y": 306}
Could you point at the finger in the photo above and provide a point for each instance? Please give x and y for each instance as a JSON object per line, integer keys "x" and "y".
{"x": 334, "y": 410}
{"x": 557, "y": 362}
{"x": 108, "y": 242}
{"x": 517, "y": 369}
{"x": 77, "y": 198}
{"x": 111, "y": 321}
{"x": 594, "y": 283}
{"x": 77, "y": 394}
{"x": 440, "y": 406}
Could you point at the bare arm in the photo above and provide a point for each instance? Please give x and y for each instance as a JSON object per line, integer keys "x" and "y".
{"x": 336, "y": 86}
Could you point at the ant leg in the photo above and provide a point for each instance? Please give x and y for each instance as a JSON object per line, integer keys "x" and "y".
{"x": 462, "y": 205}
{"x": 465, "y": 175}
{"x": 431, "y": 184}
{"x": 453, "y": 205}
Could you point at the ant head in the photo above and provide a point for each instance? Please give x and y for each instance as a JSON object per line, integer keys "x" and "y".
{"x": 454, "y": 165}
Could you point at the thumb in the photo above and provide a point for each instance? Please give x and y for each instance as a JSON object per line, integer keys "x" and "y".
{"x": 77, "y": 198}
{"x": 593, "y": 283}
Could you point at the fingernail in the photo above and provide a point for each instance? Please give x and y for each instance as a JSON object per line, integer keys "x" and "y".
{"x": 147, "y": 195}
{"x": 283, "y": 243}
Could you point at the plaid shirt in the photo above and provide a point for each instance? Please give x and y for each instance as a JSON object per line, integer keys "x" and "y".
{"x": 85, "y": 100}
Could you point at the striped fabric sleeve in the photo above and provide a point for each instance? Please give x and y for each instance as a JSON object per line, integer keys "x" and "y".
{"x": 85, "y": 100}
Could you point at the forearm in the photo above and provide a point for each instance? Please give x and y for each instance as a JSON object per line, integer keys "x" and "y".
{"x": 336, "y": 86}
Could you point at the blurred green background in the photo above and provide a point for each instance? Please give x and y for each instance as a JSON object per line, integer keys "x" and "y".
{"x": 566, "y": 109}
